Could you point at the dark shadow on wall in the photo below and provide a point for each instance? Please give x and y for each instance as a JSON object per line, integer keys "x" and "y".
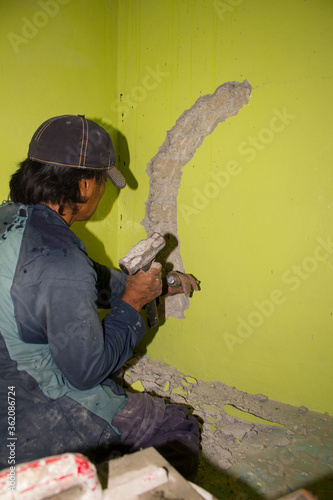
{"x": 97, "y": 249}
{"x": 121, "y": 150}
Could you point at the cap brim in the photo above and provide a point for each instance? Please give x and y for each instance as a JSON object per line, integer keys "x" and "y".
{"x": 116, "y": 177}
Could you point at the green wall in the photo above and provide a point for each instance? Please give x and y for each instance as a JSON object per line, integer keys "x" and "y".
{"x": 58, "y": 57}
{"x": 260, "y": 241}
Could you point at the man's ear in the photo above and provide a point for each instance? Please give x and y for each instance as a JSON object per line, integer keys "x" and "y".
{"x": 84, "y": 185}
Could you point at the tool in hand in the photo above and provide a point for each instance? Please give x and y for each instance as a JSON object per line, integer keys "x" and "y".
{"x": 140, "y": 257}
{"x": 173, "y": 280}
{"x": 177, "y": 279}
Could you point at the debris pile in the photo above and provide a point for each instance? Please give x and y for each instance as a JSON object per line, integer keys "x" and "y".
{"x": 267, "y": 447}
{"x": 221, "y": 433}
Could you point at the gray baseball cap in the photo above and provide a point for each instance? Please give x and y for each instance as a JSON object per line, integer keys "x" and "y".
{"x": 74, "y": 141}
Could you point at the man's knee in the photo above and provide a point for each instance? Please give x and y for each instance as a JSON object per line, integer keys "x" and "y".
{"x": 169, "y": 428}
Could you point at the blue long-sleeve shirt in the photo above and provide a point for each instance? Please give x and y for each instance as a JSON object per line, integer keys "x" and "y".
{"x": 52, "y": 343}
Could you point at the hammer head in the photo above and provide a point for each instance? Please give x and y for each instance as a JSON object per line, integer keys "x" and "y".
{"x": 142, "y": 254}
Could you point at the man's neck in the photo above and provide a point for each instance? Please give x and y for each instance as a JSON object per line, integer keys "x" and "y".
{"x": 67, "y": 216}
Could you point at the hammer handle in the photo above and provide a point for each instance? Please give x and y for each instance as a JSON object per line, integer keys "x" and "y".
{"x": 152, "y": 314}
{"x": 151, "y": 307}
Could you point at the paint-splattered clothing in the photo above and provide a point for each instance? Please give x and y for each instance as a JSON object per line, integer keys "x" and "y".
{"x": 53, "y": 348}
{"x": 56, "y": 356}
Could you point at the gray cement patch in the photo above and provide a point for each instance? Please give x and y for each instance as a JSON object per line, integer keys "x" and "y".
{"x": 164, "y": 171}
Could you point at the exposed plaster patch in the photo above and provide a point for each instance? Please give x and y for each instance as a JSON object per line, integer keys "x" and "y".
{"x": 164, "y": 170}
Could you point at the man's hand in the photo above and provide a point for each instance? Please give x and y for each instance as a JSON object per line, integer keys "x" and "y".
{"x": 143, "y": 287}
{"x": 186, "y": 284}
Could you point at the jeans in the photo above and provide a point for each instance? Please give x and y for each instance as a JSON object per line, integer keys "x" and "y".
{"x": 169, "y": 428}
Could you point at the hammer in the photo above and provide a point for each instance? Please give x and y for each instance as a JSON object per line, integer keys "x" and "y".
{"x": 140, "y": 257}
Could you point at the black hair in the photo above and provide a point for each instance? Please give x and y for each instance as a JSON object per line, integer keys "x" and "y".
{"x": 37, "y": 182}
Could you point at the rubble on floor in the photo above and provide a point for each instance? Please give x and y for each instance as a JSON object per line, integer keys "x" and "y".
{"x": 252, "y": 447}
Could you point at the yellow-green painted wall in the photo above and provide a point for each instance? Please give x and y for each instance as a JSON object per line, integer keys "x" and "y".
{"x": 255, "y": 239}
{"x": 260, "y": 241}
{"x": 57, "y": 57}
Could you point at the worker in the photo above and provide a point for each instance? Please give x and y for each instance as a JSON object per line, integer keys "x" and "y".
{"x": 56, "y": 356}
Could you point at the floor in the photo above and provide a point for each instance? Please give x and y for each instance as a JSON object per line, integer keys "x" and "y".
{"x": 253, "y": 448}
